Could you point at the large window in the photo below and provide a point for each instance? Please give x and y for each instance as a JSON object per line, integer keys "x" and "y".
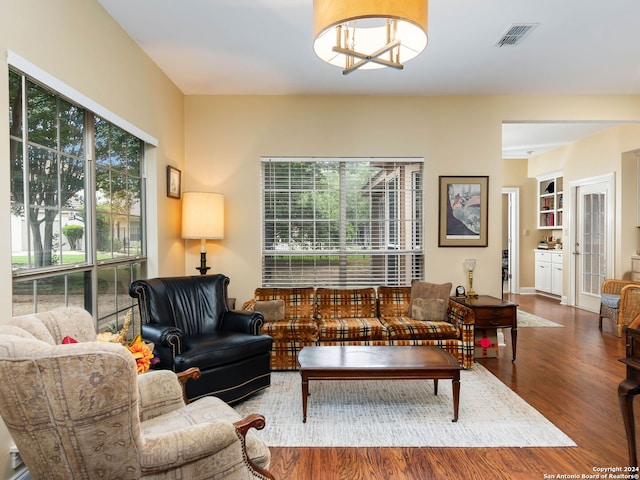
{"x": 341, "y": 222}
{"x": 76, "y": 204}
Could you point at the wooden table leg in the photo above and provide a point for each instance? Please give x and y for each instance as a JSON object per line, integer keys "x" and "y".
{"x": 305, "y": 394}
{"x": 626, "y": 391}
{"x": 455, "y": 383}
{"x": 435, "y": 386}
{"x": 514, "y": 341}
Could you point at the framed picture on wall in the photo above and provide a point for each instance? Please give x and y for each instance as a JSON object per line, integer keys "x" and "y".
{"x": 463, "y": 211}
{"x": 174, "y": 179}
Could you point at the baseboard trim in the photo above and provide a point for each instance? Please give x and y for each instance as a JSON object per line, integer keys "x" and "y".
{"x": 528, "y": 291}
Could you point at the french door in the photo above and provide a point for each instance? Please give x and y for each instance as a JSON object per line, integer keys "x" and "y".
{"x": 593, "y": 240}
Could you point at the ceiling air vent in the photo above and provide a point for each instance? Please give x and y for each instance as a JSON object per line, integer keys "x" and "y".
{"x": 515, "y": 33}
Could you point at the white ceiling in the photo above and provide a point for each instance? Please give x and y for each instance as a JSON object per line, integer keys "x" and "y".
{"x": 525, "y": 140}
{"x": 264, "y": 47}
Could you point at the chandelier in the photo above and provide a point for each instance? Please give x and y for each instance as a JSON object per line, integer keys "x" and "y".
{"x": 366, "y": 34}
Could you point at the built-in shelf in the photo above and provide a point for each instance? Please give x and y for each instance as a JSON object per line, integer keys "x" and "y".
{"x": 550, "y": 201}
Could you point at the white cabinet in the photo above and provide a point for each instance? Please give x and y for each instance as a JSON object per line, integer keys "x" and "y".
{"x": 556, "y": 273}
{"x": 543, "y": 271}
{"x": 548, "y": 275}
{"x": 550, "y": 201}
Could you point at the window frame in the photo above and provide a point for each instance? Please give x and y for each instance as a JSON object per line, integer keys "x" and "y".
{"x": 125, "y": 268}
{"x": 396, "y": 184}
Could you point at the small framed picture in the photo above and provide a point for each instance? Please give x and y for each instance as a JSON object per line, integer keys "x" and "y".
{"x": 174, "y": 179}
{"x": 463, "y": 211}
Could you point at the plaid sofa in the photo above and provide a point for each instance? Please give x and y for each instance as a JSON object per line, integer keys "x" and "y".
{"x": 327, "y": 316}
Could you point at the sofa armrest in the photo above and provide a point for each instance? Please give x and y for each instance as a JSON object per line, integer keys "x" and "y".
{"x": 249, "y": 305}
{"x": 166, "y": 451}
{"x": 160, "y": 392}
{"x": 167, "y": 341}
{"x": 242, "y": 321}
{"x": 166, "y": 336}
{"x": 459, "y": 315}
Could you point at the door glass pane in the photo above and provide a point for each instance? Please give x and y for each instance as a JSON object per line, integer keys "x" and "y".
{"x": 594, "y": 265}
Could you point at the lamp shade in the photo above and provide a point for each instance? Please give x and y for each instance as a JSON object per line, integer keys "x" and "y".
{"x": 202, "y": 215}
{"x": 369, "y": 33}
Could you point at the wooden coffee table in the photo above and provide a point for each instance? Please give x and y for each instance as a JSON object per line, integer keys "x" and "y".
{"x": 378, "y": 363}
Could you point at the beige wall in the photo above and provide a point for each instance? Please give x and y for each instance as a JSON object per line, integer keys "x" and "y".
{"x": 226, "y": 135}
{"x": 80, "y": 45}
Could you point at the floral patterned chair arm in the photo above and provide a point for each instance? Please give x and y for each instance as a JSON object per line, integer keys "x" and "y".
{"x": 160, "y": 392}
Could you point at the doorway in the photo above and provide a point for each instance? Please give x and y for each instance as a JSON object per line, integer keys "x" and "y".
{"x": 591, "y": 241}
{"x": 510, "y": 240}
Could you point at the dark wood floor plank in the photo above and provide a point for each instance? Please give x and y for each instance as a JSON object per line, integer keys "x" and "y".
{"x": 568, "y": 374}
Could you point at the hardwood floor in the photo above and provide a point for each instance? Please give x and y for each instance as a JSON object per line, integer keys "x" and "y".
{"x": 569, "y": 374}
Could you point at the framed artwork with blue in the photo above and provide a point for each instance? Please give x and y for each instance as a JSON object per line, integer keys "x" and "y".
{"x": 463, "y": 215}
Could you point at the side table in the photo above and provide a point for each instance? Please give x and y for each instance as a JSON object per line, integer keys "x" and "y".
{"x": 491, "y": 312}
{"x": 628, "y": 389}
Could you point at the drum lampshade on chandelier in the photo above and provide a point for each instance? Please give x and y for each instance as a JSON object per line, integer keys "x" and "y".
{"x": 366, "y": 34}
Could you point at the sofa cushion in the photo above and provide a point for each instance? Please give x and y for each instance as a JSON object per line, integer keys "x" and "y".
{"x": 429, "y": 290}
{"x": 394, "y": 301}
{"x": 298, "y": 302}
{"x": 272, "y": 310}
{"x": 303, "y": 330}
{"x": 338, "y": 303}
{"x": 205, "y": 410}
{"x": 433, "y": 309}
{"x": 610, "y": 300}
{"x": 407, "y": 328}
{"x": 347, "y": 329}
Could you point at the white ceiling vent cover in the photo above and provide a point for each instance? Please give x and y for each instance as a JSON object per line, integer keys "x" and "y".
{"x": 515, "y": 33}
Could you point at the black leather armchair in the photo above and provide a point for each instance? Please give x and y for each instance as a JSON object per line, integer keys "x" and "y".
{"x": 189, "y": 322}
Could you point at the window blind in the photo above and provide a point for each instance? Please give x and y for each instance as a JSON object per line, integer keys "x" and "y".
{"x": 341, "y": 222}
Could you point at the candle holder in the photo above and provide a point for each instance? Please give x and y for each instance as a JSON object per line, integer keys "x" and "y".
{"x": 470, "y": 263}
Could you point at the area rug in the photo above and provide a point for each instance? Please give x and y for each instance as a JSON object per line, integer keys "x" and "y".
{"x": 526, "y": 319}
{"x": 400, "y": 413}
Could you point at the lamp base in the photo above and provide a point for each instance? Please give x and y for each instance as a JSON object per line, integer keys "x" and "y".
{"x": 203, "y": 264}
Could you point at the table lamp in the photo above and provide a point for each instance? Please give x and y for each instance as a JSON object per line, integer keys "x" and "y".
{"x": 470, "y": 263}
{"x": 203, "y": 218}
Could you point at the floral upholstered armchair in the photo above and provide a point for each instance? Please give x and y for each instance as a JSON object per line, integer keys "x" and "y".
{"x": 80, "y": 410}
